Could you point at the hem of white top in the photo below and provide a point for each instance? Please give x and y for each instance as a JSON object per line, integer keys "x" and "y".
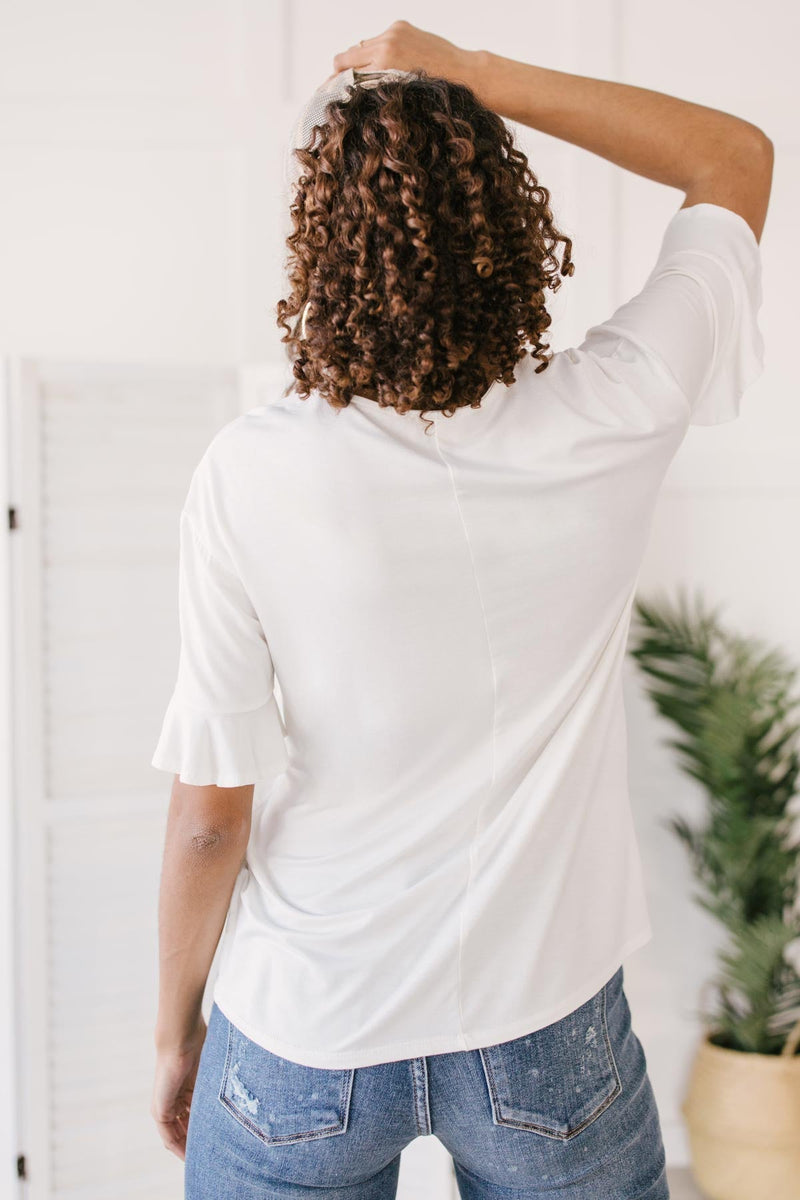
{"x": 439, "y": 1043}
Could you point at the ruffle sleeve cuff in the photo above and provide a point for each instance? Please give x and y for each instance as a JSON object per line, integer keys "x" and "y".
{"x": 222, "y": 749}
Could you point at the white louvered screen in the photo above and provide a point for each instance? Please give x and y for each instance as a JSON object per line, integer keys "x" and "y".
{"x": 103, "y": 457}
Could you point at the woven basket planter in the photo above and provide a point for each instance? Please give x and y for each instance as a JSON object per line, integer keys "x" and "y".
{"x": 743, "y": 1116}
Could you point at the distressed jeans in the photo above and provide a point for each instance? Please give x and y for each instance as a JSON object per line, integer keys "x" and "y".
{"x": 566, "y": 1112}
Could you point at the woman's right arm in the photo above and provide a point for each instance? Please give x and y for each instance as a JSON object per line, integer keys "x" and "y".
{"x": 712, "y": 156}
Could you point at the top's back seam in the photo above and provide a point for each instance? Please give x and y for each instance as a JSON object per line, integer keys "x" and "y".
{"x": 494, "y": 732}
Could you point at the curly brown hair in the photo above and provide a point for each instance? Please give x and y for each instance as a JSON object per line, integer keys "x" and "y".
{"x": 421, "y": 247}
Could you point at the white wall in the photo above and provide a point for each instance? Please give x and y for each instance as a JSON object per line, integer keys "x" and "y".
{"x": 141, "y": 202}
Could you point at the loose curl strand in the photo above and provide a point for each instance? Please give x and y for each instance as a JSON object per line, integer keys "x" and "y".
{"x": 421, "y": 248}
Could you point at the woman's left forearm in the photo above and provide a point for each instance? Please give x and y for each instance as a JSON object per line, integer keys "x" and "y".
{"x": 206, "y": 840}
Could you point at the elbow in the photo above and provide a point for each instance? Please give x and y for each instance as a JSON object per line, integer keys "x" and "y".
{"x": 209, "y": 833}
{"x": 757, "y": 169}
{"x": 765, "y": 149}
{"x": 738, "y": 176}
{"x": 211, "y": 822}
{"x": 206, "y": 842}
{"x": 765, "y": 141}
{"x": 756, "y": 152}
{"x": 769, "y": 157}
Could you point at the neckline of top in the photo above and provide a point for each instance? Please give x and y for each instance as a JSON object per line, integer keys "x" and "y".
{"x": 440, "y": 419}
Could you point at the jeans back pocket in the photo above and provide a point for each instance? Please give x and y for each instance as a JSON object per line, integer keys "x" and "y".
{"x": 557, "y": 1080}
{"x": 280, "y": 1101}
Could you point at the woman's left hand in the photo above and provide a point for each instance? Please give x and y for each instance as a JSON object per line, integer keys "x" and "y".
{"x": 176, "y": 1072}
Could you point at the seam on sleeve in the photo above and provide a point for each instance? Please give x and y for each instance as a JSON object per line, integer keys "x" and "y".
{"x": 715, "y": 347}
{"x": 645, "y": 346}
{"x": 625, "y": 335}
{"x": 202, "y": 546}
{"x": 694, "y": 252}
{"x": 211, "y": 713}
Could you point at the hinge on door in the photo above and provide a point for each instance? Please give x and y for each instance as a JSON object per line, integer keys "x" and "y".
{"x": 12, "y": 517}
{"x": 22, "y": 1167}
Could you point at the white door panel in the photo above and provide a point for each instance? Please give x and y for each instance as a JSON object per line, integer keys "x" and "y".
{"x": 101, "y": 459}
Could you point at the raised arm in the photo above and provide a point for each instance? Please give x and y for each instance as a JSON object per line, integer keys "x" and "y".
{"x": 712, "y": 156}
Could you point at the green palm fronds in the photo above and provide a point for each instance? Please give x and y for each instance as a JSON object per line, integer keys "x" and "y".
{"x": 733, "y": 703}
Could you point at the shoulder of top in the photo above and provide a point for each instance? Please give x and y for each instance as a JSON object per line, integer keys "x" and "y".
{"x": 244, "y": 427}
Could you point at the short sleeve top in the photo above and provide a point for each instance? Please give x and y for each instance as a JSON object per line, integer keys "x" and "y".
{"x": 442, "y": 854}
{"x": 697, "y": 312}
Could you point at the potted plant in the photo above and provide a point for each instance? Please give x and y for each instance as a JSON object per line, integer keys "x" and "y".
{"x": 731, "y": 700}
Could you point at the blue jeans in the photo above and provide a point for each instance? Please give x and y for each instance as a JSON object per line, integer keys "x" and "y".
{"x": 566, "y": 1112}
